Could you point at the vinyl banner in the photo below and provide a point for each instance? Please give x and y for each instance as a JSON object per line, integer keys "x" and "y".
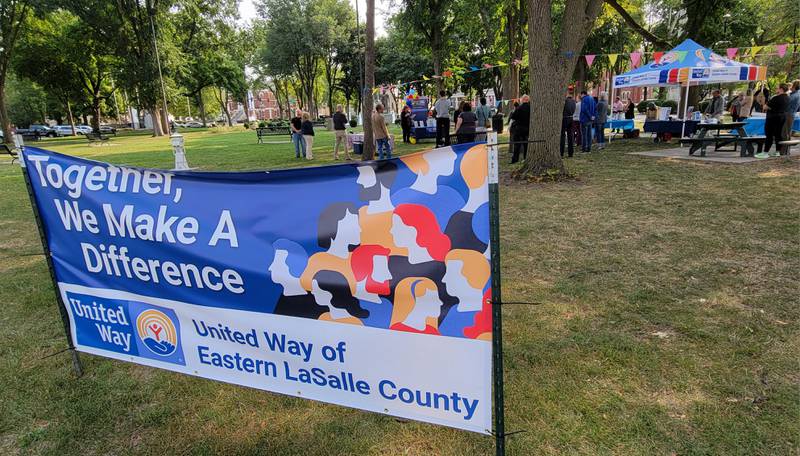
{"x": 364, "y": 284}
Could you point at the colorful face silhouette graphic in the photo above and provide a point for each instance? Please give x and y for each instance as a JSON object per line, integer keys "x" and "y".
{"x": 371, "y": 269}
{"x": 466, "y": 274}
{"x": 429, "y": 167}
{"x": 375, "y": 180}
{"x": 416, "y": 306}
{"x": 287, "y": 265}
{"x": 338, "y": 229}
{"x": 414, "y": 227}
{"x": 331, "y": 289}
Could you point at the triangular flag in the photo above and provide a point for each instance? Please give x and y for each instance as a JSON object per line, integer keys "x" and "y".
{"x": 754, "y": 50}
{"x": 657, "y": 56}
{"x": 732, "y": 52}
{"x": 376, "y": 89}
{"x": 681, "y": 55}
{"x": 589, "y": 59}
{"x": 781, "y": 48}
{"x": 636, "y": 57}
{"x": 473, "y": 68}
{"x": 501, "y": 63}
{"x": 425, "y": 78}
{"x": 487, "y": 65}
{"x": 612, "y": 58}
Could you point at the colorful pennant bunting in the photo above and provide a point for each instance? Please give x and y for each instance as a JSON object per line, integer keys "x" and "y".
{"x": 781, "y": 48}
{"x": 612, "y": 58}
{"x": 589, "y": 59}
{"x": 732, "y": 52}
{"x": 657, "y": 56}
{"x": 636, "y": 57}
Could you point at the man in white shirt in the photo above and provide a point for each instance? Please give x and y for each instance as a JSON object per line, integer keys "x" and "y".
{"x": 442, "y": 110}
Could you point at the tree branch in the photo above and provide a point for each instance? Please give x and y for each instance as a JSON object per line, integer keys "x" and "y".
{"x": 638, "y": 28}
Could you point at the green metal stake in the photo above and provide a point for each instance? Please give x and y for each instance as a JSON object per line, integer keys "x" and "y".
{"x": 497, "y": 321}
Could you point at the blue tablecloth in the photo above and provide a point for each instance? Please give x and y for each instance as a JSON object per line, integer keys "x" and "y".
{"x": 622, "y": 124}
{"x": 673, "y": 127}
{"x": 754, "y": 126}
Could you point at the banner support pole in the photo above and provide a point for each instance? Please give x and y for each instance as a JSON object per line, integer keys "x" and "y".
{"x": 497, "y": 324}
{"x": 76, "y": 360}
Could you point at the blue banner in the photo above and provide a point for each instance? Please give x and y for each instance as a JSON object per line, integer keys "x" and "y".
{"x": 363, "y": 284}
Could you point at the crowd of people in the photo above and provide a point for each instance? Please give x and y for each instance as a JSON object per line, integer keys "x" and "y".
{"x": 583, "y": 120}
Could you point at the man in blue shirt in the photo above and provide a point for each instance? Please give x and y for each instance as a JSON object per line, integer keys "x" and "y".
{"x": 588, "y": 113}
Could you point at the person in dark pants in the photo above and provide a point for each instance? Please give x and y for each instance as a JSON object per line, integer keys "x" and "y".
{"x": 776, "y": 117}
{"x": 442, "y": 111}
{"x": 406, "y": 121}
{"x": 566, "y": 126}
{"x": 522, "y": 119}
{"x": 466, "y": 124}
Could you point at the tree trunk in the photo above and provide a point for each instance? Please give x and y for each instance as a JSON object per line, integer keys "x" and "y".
{"x": 96, "y": 111}
{"x": 201, "y": 105}
{"x": 5, "y": 122}
{"x": 155, "y": 118}
{"x": 165, "y": 121}
{"x": 70, "y": 118}
{"x": 550, "y": 69}
{"x": 369, "y": 83}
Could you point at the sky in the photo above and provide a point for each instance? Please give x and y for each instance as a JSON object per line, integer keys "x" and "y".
{"x": 247, "y": 11}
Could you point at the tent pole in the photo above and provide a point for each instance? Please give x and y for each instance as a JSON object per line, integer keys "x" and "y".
{"x": 685, "y": 110}
{"x": 611, "y": 102}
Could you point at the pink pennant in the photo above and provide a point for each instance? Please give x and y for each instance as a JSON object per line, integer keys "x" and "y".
{"x": 589, "y": 59}
{"x": 781, "y": 48}
{"x": 732, "y": 52}
{"x": 636, "y": 57}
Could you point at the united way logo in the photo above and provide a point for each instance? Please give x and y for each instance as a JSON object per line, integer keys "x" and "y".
{"x": 159, "y": 332}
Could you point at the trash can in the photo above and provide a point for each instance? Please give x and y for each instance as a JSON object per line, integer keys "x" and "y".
{"x": 358, "y": 148}
{"x": 497, "y": 123}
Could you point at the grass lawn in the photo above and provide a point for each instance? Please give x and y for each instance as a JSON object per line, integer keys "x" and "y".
{"x": 664, "y": 321}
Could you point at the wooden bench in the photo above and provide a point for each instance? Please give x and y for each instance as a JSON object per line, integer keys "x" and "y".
{"x": 261, "y": 132}
{"x": 747, "y": 145}
{"x": 786, "y": 146}
{"x": 96, "y": 138}
{"x": 13, "y": 153}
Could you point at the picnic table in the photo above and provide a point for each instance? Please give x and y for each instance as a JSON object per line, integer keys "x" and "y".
{"x": 755, "y": 125}
{"x": 359, "y": 138}
{"x": 665, "y": 129}
{"x": 735, "y": 135}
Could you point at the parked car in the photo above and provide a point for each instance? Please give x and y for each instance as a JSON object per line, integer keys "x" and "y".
{"x": 63, "y": 130}
{"x": 83, "y": 129}
{"x": 42, "y": 130}
{"x": 108, "y": 130}
{"x": 196, "y": 124}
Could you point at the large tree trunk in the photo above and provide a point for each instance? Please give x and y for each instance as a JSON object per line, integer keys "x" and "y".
{"x": 165, "y": 121}
{"x": 436, "y": 56}
{"x": 550, "y": 68}
{"x": 156, "y": 119}
{"x": 201, "y": 105}
{"x": 70, "y": 118}
{"x": 369, "y": 83}
{"x": 5, "y": 122}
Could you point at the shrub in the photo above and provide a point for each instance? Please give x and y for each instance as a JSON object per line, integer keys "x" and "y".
{"x": 262, "y": 124}
{"x": 702, "y": 105}
{"x": 672, "y": 104}
{"x": 353, "y": 123}
{"x": 247, "y": 125}
{"x": 644, "y": 104}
